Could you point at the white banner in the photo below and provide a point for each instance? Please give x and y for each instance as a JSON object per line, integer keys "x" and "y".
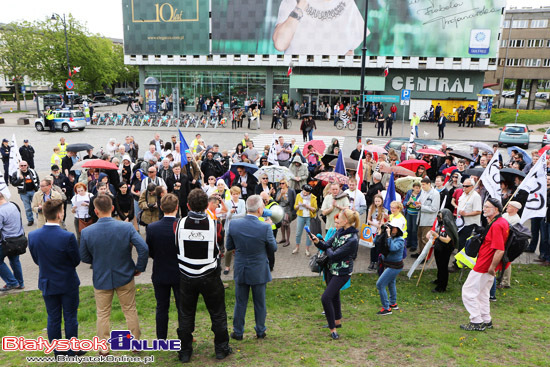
{"x": 4, "y": 188}
{"x": 15, "y": 157}
{"x": 535, "y": 184}
{"x": 272, "y": 156}
{"x": 491, "y": 177}
{"x": 421, "y": 258}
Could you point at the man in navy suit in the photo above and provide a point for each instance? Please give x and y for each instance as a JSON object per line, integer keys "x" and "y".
{"x": 55, "y": 251}
{"x": 161, "y": 240}
{"x": 252, "y": 240}
{"x": 107, "y": 245}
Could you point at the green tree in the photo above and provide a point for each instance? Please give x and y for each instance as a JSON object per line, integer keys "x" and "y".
{"x": 18, "y": 53}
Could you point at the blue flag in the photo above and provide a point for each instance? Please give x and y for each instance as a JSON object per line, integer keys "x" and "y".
{"x": 340, "y": 166}
{"x": 390, "y": 193}
{"x": 183, "y": 148}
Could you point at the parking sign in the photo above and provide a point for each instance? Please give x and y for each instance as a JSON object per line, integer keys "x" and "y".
{"x": 405, "y": 94}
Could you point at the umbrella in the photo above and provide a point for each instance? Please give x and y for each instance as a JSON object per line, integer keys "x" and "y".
{"x": 250, "y": 168}
{"x": 413, "y": 164}
{"x": 508, "y": 174}
{"x": 307, "y": 115}
{"x": 404, "y": 184}
{"x": 79, "y": 147}
{"x": 93, "y": 163}
{"x": 461, "y": 154}
{"x": 319, "y": 146}
{"x": 481, "y": 146}
{"x": 350, "y": 163}
{"x": 396, "y": 170}
{"x": 526, "y": 157}
{"x": 448, "y": 171}
{"x": 431, "y": 152}
{"x": 544, "y": 149}
{"x": 477, "y": 171}
{"x": 235, "y": 107}
{"x": 375, "y": 149}
{"x": 332, "y": 177}
{"x": 327, "y": 158}
{"x": 274, "y": 173}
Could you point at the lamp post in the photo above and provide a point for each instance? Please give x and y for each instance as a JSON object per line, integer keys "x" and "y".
{"x": 56, "y": 16}
{"x": 363, "y": 62}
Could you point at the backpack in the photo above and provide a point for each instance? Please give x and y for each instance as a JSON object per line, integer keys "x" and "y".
{"x": 518, "y": 241}
{"x": 381, "y": 243}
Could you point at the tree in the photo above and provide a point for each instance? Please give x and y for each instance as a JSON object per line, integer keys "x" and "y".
{"x": 18, "y": 53}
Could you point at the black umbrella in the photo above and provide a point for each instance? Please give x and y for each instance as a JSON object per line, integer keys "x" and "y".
{"x": 350, "y": 163}
{"x": 327, "y": 158}
{"x": 509, "y": 174}
{"x": 461, "y": 154}
{"x": 476, "y": 171}
{"x": 235, "y": 107}
{"x": 79, "y": 147}
{"x": 307, "y": 115}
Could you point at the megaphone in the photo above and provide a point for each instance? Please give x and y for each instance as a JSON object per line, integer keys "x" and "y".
{"x": 276, "y": 213}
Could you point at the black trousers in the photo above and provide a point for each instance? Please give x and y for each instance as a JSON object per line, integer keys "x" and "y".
{"x": 213, "y": 293}
{"x": 162, "y": 295}
{"x": 441, "y": 132}
{"x": 331, "y": 298}
{"x": 271, "y": 254}
{"x": 442, "y": 253}
{"x": 380, "y": 130}
{"x": 389, "y": 129}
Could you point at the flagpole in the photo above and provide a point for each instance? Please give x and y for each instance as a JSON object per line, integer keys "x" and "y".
{"x": 363, "y": 67}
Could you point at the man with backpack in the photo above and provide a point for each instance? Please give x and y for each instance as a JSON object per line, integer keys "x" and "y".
{"x": 476, "y": 289}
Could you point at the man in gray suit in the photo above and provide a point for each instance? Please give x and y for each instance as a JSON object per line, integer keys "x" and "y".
{"x": 107, "y": 245}
{"x": 252, "y": 240}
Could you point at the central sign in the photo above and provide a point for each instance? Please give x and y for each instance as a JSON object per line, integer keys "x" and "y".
{"x": 433, "y": 84}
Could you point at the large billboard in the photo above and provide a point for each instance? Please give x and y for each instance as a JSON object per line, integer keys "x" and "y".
{"x": 425, "y": 28}
{"x": 170, "y": 27}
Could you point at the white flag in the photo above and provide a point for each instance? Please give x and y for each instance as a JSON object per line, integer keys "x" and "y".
{"x": 421, "y": 258}
{"x": 491, "y": 177}
{"x": 535, "y": 184}
{"x": 4, "y": 188}
{"x": 15, "y": 157}
{"x": 272, "y": 156}
{"x": 411, "y": 142}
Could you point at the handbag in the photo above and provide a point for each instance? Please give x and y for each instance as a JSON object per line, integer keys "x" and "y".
{"x": 83, "y": 223}
{"x": 315, "y": 225}
{"x": 318, "y": 262}
{"x": 14, "y": 246}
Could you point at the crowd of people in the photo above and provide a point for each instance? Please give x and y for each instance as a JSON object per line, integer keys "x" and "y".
{"x": 214, "y": 214}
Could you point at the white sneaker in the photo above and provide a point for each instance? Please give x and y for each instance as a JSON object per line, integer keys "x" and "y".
{"x": 307, "y": 253}
{"x": 295, "y": 251}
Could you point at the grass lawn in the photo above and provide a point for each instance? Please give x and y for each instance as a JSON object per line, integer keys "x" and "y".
{"x": 503, "y": 116}
{"x": 425, "y": 331}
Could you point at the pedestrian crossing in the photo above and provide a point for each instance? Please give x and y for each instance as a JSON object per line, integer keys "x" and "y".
{"x": 261, "y": 140}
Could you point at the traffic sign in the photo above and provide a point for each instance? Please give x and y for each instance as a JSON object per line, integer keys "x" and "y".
{"x": 405, "y": 102}
{"x": 69, "y": 84}
{"x": 70, "y": 93}
{"x": 23, "y": 88}
{"x": 381, "y": 98}
{"x": 519, "y": 99}
{"x": 405, "y": 94}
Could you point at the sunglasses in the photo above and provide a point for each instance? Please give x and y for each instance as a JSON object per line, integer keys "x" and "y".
{"x": 264, "y": 178}
{"x": 282, "y": 183}
{"x": 467, "y": 185}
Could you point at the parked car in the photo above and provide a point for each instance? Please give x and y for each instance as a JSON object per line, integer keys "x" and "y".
{"x": 64, "y": 120}
{"x": 546, "y": 137}
{"x": 541, "y": 95}
{"x": 396, "y": 143}
{"x": 122, "y": 97}
{"x": 107, "y": 100}
{"x": 514, "y": 134}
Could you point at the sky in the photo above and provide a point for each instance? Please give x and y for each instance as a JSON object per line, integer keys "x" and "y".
{"x": 105, "y": 16}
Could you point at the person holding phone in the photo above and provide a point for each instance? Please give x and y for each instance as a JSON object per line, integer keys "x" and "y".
{"x": 341, "y": 251}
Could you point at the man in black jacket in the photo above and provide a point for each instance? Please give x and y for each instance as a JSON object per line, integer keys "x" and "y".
{"x": 27, "y": 153}
{"x": 211, "y": 167}
{"x": 161, "y": 240}
{"x": 27, "y": 182}
{"x": 178, "y": 184}
{"x": 5, "y": 151}
{"x": 374, "y": 189}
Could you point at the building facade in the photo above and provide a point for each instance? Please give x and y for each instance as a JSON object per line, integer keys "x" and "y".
{"x": 524, "y": 52}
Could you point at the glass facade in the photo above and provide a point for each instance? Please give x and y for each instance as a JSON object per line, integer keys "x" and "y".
{"x": 225, "y": 85}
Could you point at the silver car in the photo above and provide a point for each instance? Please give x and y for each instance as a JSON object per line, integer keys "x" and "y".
{"x": 64, "y": 120}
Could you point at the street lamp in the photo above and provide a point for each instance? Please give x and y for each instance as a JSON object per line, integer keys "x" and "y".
{"x": 56, "y": 16}
{"x": 363, "y": 65}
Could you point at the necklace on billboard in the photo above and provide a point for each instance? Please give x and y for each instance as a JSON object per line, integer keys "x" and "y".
{"x": 326, "y": 14}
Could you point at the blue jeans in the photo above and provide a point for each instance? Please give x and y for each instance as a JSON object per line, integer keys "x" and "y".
{"x": 301, "y": 222}
{"x": 12, "y": 279}
{"x": 536, "y": 227}
{"x": 241, "y": 301}
{"x": 416, "y": 130}
{"x": 65, "y": 304}
{"x": 387, "y": 279}
{"x": 26, "y": 198}
{"x": 493, "y": 291}
{"x": 412, "y": 230}
{"x": 310, "y": 134}
{"x": 545, "y": 240}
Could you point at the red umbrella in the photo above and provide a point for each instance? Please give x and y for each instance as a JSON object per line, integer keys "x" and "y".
{"x": 99, "y": 164}
{"x": 413, "y": 164}
{"x": 319, "y": 146}
{"x": 333, "y": 177}
{"x": 544, "y": 149}
{"x": 431, "y": 152}
{"x": 447, "y": 171}
{"x": 375, "y": 149}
